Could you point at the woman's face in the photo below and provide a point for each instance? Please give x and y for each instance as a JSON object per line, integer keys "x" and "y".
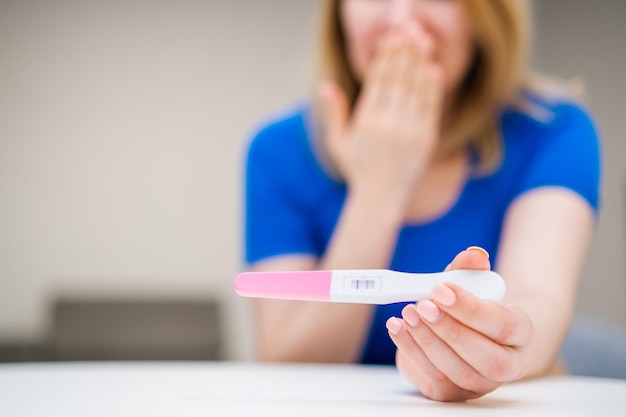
{"x": 445, "y": 22}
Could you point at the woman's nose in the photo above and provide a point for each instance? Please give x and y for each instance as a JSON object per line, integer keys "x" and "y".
{"x": 401, "y": 13}
{"x": 406, "y": 16}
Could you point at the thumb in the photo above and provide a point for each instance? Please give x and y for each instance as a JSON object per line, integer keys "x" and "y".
{"x": 473, "y": 257}
{"x": 335, "y": 109}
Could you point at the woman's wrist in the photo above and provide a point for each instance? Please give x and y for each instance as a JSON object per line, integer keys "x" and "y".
{"x": 372, "y": 205}
{"x": 366, "y": 233}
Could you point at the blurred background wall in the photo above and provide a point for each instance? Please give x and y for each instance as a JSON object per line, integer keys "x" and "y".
{"x": 585, "y": 40}
{"x": 123, "y": 126}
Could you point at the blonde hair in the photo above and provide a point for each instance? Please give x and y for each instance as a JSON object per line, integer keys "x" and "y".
{"x": 496, "y": 77}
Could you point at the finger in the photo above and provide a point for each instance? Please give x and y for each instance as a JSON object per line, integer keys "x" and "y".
{"x": 335, "y": 112}
{"x": 431, "y": 102}
{"x": 401, "y": 69}
{"x": 409, "y": 84}
{"x": 439, "y": 390}
{"x": 443, "y": 356}
{"x": 402, "y": 339}
{"x": 335, "y": 108}
{"x": 430, "y": 380}
{"x": 421, "y": 41}
{"x": 494, "y": 362}
{"x": 420, "y": 82}
{"x": 503, "y": 324}
{"x": 375, "y": 92}
{"x": 473, "y": 257}
{"x": 417, "y": 87}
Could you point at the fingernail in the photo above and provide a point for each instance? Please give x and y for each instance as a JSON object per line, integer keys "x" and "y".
{"x": 444, "y": 295}
{"x": 429, "y": 311}
{"x": 479, "y": 249}
{"x": 409, "y": 314}
{"x": 394, "y": 325}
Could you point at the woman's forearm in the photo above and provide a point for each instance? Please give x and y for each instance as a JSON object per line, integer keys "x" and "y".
{"x": 365, "y": 237}
{"x": 366, "y": 233}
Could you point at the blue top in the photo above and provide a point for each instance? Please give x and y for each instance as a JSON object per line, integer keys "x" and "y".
{"x": 292, "y": 204}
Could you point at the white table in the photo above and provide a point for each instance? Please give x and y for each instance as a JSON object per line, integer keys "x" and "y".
{"x": 252, "y": 390}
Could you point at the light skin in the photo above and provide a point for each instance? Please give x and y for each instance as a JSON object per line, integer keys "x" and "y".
{"x": 411, "y": 56}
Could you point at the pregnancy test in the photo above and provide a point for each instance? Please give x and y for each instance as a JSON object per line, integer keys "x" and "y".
{"x": 369, "y": 286}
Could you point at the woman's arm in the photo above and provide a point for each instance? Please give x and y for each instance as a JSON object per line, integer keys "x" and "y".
{"x": 544, "y": 246}
{"x": 326, "y": 332}
{"x": 458, "y": 347}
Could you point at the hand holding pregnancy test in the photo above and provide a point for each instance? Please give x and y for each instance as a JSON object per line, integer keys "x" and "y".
{"x": 374, "y": 286}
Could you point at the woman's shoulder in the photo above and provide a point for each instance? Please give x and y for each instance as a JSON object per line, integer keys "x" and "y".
{"x": 540, "y": 111}
{"x": 281, "y": 130}
{"x": 546, "y": 124}
{"x": 552, "y": 142}
{"x": 285, "y": 145}
{"x": 543, "y": 117}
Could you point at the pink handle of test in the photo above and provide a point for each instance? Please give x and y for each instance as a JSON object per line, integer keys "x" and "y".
{"x": 305, "y": 285}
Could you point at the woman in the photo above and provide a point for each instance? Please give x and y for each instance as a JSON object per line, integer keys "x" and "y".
{"x": 424, "y": 139}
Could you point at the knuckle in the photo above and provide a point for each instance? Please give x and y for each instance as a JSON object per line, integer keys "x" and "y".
{"x": 469, "y": 380}
{"x": 455, "y": 335}
{"x": 427, "y": 341}
{"x": 473, "y": 311}
{"x": 439, "y": 379}
{"x": 440, "y": 390}
{"x": 501, "y": 369}
{"x": 517, "y": 330}
{"x": 451, "y": 392}
{"x": 508, "y": 332}
{"x": 428, "y": 390}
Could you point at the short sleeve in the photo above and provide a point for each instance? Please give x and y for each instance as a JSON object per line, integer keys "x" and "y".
{"x": 566, "y": 154}
{"x": 276, "y": 220}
